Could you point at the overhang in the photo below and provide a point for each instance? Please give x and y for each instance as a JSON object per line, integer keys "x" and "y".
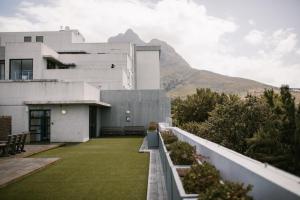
{"x": 53, "y": 59}
{"x": 69, "y": 102}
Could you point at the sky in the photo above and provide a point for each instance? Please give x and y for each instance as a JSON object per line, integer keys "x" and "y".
{"x": 255, "y": 39}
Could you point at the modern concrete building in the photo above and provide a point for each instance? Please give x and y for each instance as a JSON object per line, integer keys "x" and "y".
{"x": 51, "y": 84}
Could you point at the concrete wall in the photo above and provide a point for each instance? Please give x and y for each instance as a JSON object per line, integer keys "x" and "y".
{"x": 2, "y": 53}
{"x": 14, "y": 93}
{"x": 54, "y": 39}
{"x": 25, "y": 51}
{"x": 148, "y": 70}
{"x": 19, "y": 117}
{"x": 70, "y": 127}
{"x": 269, "y": 182}
{"x": 144, "y": 106}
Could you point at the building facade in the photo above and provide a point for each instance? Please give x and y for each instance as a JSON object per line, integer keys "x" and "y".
{"x": 51, "y": 84}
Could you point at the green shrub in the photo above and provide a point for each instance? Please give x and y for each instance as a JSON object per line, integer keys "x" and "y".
{"x": 197, "y": 128}
{"x": 200, "y": 177}
{"x": 182, "y": 153}
{"x": 226, "y": 191}
{"x": 168, "y": 137}
{"x": 153, "y": 126}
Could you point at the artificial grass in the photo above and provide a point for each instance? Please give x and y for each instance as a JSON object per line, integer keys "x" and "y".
{"x": 105, "y": 168}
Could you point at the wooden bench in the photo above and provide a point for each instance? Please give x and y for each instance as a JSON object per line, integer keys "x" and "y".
{"x": 110, "y": 130}
{"x": 134, "y": 130}
{"x": 14, "y": 144}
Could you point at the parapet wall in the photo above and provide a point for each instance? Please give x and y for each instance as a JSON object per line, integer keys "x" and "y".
{"x": 268, "y": 182}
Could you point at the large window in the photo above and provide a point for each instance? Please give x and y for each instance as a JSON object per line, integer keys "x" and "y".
{"x": 21, "y": 69}
{"x": 2, "y": 69}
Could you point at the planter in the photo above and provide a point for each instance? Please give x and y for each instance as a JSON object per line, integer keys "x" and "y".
{"x": 152, "y": 137}
{"x": 173, "y": 182}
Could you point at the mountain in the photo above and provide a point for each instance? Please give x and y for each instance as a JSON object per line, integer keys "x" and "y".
{"x": 178, "y": 78}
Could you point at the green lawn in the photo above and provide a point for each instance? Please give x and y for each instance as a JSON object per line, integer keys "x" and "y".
{"x": 106, "y": 168}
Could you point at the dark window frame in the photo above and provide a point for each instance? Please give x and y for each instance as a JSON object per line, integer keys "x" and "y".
{"x": 39, "y": 36}
{"x": 28, "y": 37}
{"x": 2, "y": 62}
{"x": 10, "y": 60}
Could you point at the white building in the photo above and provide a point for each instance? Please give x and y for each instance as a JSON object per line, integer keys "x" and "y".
{"x": 51, "y": 82}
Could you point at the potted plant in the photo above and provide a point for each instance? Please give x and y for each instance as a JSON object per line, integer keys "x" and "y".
{"x": 152, "y": 135}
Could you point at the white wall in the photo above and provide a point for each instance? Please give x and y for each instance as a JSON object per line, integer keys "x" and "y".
{"x": 70, "y": 127}
{"x": 148, "y": 70}
{"x": 25, "y": 51}
{"x": 54, "y": 39}
{"x": 19, "y": 114}
{"x": 15, "y": 93}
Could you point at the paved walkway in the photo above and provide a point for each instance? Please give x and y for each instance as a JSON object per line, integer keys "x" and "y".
{"x": 156, "y": 181}
{"x": 16, "y": 166}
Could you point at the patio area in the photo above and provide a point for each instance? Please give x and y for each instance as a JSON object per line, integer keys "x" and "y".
{"x": 106, "y": 168}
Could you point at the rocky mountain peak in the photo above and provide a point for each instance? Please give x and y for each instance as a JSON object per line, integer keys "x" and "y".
{"x": 128, "y": 36}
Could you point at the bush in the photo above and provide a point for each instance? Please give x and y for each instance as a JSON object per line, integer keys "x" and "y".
{"x": 197, "y": 128}
{"x": 152, "y": 126}
{"x": 226, "y": 191}
{"x": 200, "y": 177}
{"x": 182, "y": 153}
{"x": 168, "y": 137}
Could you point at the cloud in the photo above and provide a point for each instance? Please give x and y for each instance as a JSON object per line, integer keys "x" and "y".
{"x": 284, "y": 40}
{"x": 254, "y": 37}
{"x": 251, "y": 22}
{"x": 202, "y": 39}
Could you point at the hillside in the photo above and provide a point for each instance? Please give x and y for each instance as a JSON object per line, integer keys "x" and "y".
{"x": 178, "y": 78}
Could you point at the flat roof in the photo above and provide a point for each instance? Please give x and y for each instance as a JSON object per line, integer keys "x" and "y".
{"x": 147, "y": 48}
{"x": 69, "y": 102}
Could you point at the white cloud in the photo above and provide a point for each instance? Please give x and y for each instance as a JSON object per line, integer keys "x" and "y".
{"x": 298, "y": 52}
{"x": 254, "y": 37}
{"x": 197, "y": 36}
{"x": 251, "y": 22}
{"x": 284, "y": 40}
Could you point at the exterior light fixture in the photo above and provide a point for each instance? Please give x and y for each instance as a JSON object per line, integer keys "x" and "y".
{"x": 112, "y": 66}
{"x": 63, "y": 111}
{"x": 127, "y": 111}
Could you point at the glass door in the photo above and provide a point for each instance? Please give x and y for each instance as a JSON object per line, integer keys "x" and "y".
{"x": 39, "y": 124}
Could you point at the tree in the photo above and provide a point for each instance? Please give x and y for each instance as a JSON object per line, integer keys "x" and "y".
{"x": 196, "y": 107}
{"x": 288, "y": 116}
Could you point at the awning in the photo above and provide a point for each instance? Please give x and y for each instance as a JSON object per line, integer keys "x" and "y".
{"x": 69, "y": 102}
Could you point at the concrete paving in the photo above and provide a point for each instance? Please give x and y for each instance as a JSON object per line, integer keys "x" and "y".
{"x": 156, "y": 180}
{"x": 16, "y": 166}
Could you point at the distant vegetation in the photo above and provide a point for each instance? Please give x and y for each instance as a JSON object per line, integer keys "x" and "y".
{"x": 265, "y": 127}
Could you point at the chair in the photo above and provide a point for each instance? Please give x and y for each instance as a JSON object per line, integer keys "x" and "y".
{"x": 5, "y": 146}
{"x": 12, "y": 145}
{"x": 24, "y": 135}
{"x": 18, "y": 143}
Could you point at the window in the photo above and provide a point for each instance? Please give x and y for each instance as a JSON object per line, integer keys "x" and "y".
{"x": 2, "y": 69}
{"x": 21, "y": 69}
{"x": 50, "y": 64}
{"x": 39, "y": 38}
{"x": 27, "y": 39}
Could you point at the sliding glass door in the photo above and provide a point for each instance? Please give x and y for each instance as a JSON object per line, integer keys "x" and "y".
{"x": 21, "y": 69}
